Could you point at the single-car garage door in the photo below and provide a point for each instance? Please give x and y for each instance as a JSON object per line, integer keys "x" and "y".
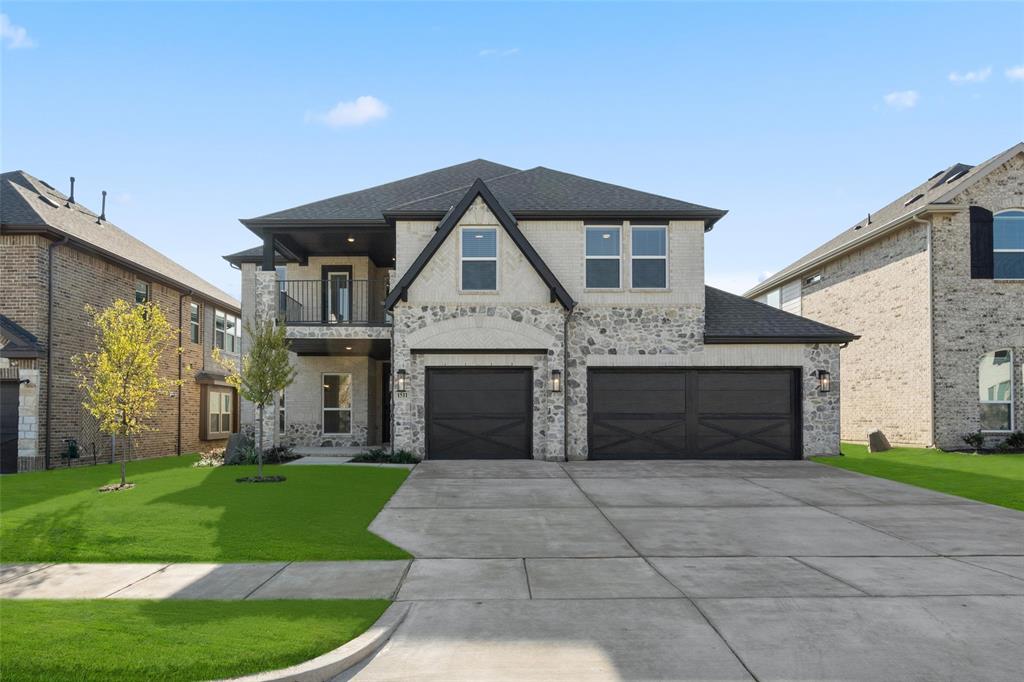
{"x": 693, "y": 414}
{"x": 477, "y": 413}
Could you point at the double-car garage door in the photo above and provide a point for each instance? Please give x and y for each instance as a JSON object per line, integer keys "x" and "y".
{"x": 691, "y": 413}
{"x": 485, "y": 413}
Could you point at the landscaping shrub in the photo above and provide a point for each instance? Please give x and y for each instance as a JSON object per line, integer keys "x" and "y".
{"x": 976, "y": 440}
{"x": 213, "y": 458}
{"x": 1013, "y": 443}
{"x": 382, "y": 456}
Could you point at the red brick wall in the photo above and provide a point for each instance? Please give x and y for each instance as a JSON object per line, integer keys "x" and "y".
{"x": 81, "y": 278}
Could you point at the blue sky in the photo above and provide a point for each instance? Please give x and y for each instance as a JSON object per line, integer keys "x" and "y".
{"x": 798, "y": 118}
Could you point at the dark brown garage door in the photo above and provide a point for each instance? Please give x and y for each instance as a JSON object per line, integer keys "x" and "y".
{"x": 694, "y": 414}
{"x": 479, "y": 413}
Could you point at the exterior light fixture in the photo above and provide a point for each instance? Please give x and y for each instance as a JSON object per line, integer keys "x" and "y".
{"x": 400, "y": 381}
{"x": 824, "y": 381}
{"x": 556, "y": 381}
{"x": 351, "y": 240}
{"x": 348, "y": 347}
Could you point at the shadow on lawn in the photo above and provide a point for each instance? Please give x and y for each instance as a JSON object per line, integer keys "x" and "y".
{"x": 318, "y": 513}
{"x": 1005, "y": 491}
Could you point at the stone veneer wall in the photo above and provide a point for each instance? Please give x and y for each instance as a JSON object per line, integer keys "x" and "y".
{"x": 614, "y": 330}
{"x": 821, "y": 411}
{"x": 972, "y": 317}
{"x": 410, "y": 411}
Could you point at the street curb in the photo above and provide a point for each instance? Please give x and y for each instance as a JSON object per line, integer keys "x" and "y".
{"x": 333, "y": 663}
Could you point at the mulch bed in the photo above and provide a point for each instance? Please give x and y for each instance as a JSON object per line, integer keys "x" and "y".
{"x": 257, "y": 479}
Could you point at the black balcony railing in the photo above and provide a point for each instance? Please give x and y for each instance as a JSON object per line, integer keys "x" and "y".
{"x": 332, "y": 301}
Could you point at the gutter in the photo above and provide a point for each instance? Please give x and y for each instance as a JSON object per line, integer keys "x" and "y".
{"x": 772, "y": 282}
{"x": 49, "y": 345}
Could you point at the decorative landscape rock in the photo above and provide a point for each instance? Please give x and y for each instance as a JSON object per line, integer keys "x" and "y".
{"x": 237, "y": 446}
{"x": 877, "y": 442}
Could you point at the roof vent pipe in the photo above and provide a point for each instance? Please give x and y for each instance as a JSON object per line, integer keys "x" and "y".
{"x": 869, "y": 218}
{"x": 103, "y": 210}
{"x": 71, "y": 199}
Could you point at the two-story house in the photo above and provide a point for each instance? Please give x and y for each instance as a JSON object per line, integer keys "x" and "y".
{"x": 481, "y": 311}
{"x": 57, "y": 257}
{"x": 934, "y": 284}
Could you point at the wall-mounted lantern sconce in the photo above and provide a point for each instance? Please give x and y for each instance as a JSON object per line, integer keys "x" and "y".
{"x": 400, "y": 381}
{"x": 824, "y": 381}
{"x": 556, "y": 381}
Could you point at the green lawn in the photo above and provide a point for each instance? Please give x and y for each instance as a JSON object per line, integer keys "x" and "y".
{"x": 177, "y": 513}
{"x": 170, "y": 640}
{"x": 996, "y": 479}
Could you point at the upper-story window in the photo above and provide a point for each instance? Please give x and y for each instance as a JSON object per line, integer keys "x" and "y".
{"x": 141, "y": 291}
{"x": 227, "y": 332}
{"x": 479, "y": 270}
{"x": 995, "y": 390}
{"x": 604, "y": 257}
{"x": 649, "y": 262}
{"x": 1008, "y": 245}
{"x": 193, "y": 322}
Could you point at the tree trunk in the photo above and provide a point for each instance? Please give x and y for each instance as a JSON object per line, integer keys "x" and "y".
{"x": 124, "y": 460}
{"x": 259, "y": 447}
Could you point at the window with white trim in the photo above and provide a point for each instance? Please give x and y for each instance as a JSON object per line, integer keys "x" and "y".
{"x": 337, "y": 404}
{"x": 649, "y": 252}
{"x": 995, "y": 390}
{"x": 1008, "y": 245}
{"x": 219, "y": 412}
{"x": 227, "y": 332}
{"x": 479, "y": 271}
{"x": 604, "y": 257}
{"x": 193, "y": 322}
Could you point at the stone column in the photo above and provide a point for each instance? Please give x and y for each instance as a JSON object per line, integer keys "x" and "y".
{"x": 821, "y": 423}
{"x": 264, "y": 307}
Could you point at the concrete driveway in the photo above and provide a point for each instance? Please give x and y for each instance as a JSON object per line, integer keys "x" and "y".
{"x": 698, "y": 571}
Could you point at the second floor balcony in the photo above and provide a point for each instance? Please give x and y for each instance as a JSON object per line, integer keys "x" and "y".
{"x": 338, "y": 300}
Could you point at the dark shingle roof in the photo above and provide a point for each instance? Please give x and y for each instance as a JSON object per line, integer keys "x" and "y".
{"x": 18, "y": 341}
{"x": 29, "y": 202}
{"x": 369, "y": 204}
{"x": 729, "y": 318}
{"x": 537, "y": 191}
{"x": 542, "y": 190}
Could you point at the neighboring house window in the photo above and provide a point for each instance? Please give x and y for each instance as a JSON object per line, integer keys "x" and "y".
{"x": 774, "y": 298}
{"x": 995, "y": 390}
{"x": 479, "y": 259}
{"x": 337, "y": 404}
{"x": 604, "y": 257}
{"x": 813, "y": 279}
{"x": 649, "y": 257}
{"x": 193, "y": 322}
{"x": 141, "y": 291}
{"x": 1008, "y": 245}
{"x": 220, "y": 413}
{"x": 280, "y": 412}
{"x": 227, "y": 333}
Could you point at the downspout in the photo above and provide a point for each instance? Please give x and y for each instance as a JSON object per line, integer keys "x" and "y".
{"x": 181, "y": 360}
{"x": 49, "y": 344}
{"x": 931, "y": 330}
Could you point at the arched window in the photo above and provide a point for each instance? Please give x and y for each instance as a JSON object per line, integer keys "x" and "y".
{"x": 1008, "y": 245}
{"x": 995, "y": 390}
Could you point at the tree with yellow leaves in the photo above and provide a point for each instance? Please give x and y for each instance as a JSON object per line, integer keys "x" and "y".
{"x": 122, "y": 379}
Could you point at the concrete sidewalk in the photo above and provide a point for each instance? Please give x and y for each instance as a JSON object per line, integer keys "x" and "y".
{"x": 280, "y": 580}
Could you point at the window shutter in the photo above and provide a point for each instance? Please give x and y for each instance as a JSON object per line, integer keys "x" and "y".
{"x": 981, "y": 243}
{"x": 204, "y": 411}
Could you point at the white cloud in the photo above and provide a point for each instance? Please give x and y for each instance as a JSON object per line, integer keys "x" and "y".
{"x": 358, "y": 112}
{"x": 979, "y": 76}
{"x": 14, "y": 36}
{"x": 902, "y": 99}
{"x": 1015, "y": 73}
{"x": 495, "y": 52}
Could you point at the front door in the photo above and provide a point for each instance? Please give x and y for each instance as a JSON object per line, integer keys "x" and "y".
{"x": 385, "y": 403}
{"x": 9, "y": 427}
{"x": 337, "y": 293}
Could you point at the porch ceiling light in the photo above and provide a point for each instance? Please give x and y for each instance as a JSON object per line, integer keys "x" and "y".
{"x": 351, "y": 240}
{"x": 556, "y": 381}
{"x": 400, "y": 380}
{"x": 824, "y": 381}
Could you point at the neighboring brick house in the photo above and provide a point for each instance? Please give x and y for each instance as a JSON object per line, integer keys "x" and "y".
{"x": 481, "y": 311}
{"x": 46, "y": 236}
{"x": 934, "y": 284}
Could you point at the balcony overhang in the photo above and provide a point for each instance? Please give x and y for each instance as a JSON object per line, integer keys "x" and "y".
{"x": 297, "y": 242}
{"x": 378, "y": 349}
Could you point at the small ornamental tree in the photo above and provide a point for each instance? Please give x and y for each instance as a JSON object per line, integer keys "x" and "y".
{"x": 266, "y": 370}
{"x": 122, "y": 379}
